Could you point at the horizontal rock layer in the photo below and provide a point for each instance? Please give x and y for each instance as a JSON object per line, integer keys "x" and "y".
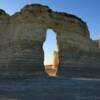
{"x": 22, "y": 36}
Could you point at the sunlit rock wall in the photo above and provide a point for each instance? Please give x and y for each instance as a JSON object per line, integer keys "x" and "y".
{"x": 22, "y": 36}
{"x": 21, "y": 52}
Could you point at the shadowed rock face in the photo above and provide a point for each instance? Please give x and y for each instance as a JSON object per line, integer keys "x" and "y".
{"x": 98, "y": 42}
{"x": 22, "y": 36}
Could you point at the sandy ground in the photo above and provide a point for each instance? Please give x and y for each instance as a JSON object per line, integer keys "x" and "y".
{"x": 46, "y": 88}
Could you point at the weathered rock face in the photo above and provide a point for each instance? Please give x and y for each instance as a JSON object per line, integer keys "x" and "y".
{"x": 98, "y": 42}
{"x": 55, "y": 59}
{"x": 23, "y": 34}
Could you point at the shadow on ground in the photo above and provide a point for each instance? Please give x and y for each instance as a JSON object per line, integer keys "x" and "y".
{"x": 47, "y": 88}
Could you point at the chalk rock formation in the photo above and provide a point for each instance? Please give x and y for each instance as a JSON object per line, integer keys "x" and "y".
{"x": 22, "y": 36}
{"x": 55, "y": 59}
{"x": 98, "y": 42}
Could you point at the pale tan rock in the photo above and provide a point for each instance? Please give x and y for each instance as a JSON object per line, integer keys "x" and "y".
{"x": 55, "y": 59}
{"x": 22, "y": 36}
{"x": 98, "y": 42}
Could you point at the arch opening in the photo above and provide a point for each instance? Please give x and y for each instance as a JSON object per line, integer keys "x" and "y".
{"x": 51, "y": 53}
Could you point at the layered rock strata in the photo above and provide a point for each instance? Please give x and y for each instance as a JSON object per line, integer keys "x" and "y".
{"x": 22, "y": 36}
{"x": 98, "y": 42}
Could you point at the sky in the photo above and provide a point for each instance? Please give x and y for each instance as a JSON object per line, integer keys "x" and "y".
{"x": 49, "y": 46}
{"x": 87, "y": 10}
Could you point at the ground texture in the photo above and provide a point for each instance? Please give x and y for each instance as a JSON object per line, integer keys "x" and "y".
{"x": 47, "y": 88}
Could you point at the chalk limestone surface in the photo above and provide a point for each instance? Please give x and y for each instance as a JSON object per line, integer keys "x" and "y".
{"x": 22, "y": 36}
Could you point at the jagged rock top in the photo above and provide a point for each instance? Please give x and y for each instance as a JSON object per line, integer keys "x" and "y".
{"x": 2, "y": 12}
{"x": 47, "y": 9}
{"x": 42, "y": 8}
{"x": 37, "y": 13}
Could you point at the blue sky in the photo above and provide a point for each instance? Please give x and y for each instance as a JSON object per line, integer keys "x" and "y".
{"x": 88, "y": 10}
{"x": 49, "y": 46}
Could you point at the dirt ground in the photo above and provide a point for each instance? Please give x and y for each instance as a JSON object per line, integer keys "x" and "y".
{"x": 48, "y": 88}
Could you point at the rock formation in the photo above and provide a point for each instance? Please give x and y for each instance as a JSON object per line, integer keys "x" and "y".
{"x": 22, "y": 36}
{"x": 98, "y": 42}
{"x": 55, "y": 59}
{"x": 52, "y": 69}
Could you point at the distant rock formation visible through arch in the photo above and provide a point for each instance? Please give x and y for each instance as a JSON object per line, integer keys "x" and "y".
{"x": 22, "y": 36}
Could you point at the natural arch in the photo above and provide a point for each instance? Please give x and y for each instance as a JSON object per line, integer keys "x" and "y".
{"x": 51, "y": 54}
{"x": 22, "y": 36}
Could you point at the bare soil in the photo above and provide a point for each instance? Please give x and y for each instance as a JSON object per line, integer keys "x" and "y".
{"x": 49, "y": 88}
